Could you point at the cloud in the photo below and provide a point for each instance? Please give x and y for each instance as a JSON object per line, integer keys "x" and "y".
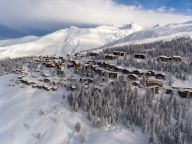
{"x": 49, "y": 13}
{"x": 166, "y": 10}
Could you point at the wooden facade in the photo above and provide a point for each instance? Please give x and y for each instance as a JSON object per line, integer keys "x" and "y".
{"x": 154, "y": 89}
{"x": 154, "y": 82}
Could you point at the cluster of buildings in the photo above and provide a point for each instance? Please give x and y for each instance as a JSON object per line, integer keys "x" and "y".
{"x": 107, "y": 71}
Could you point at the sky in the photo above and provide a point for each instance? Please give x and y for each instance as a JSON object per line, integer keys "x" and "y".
{"x": 177, "y": 6}
{"x": 46, "y": 15}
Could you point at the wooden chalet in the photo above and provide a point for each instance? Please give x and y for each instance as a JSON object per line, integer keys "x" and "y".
{"x": 70, "y": 65}
{"x": 98, "y": 88}
{"x": 54, "y": 88}
{"x": 133, "y": 77}
{"x": 125, "y": 71}
{"x": 46, "y": 80}
{"x": 94, "y": 67}
{"x": 73, "y": 88}
{"x": 46, "y": 75}
{"x": 163, "y": 59}
{"x": 110, "y": 56}
{"x": 154, "y": 82}
{"x": 177, "y": 58}
{"x": 76, "y": 64}
{"x": 168, "y": 90}
{"x": 185, "y": 93}
{"x": 92, "y": 54}
{"x": 56, "y": 83}
{"x": 99, "y": 71}
{"x": 86, "y": 74}
{"x": 19, "y": 71}
{"x": 116, "y": 69}
{"x": 111, "y": 66}
{"x": 89, "y": 80}
{"x": 160, "y": 76}
{"x": 86, "y": 66}
{"x": 119, "y": 53}
{"x": 60, "y": 73}
{"x": 50, "y": 65}
{"x": 140, "y": 56}
{"x": 137, "y": 72}
{"x": 82, "y": 80}
{"x": 150, "y": 73}
{"x": 136, "y": 84}
{"x": 113, "y": 75}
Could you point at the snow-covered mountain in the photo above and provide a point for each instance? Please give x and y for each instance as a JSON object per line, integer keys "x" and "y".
{"x": 74, "y": 39}
{"x": 9, "y": 42}
{"x": 69, "y": 40}
{"x": 156, "y": 33}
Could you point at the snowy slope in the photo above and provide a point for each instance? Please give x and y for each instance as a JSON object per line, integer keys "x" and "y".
{"x": 9, "y": 42}
{"x": 155, "y": 33}
{"x": 32, "y": 116}
{"x": 69, "y": 40}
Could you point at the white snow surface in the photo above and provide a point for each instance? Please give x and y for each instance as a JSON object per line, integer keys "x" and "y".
{"x": 69, "y": 41}
{"x": 9, "y": 42}
{"x": 155, "y": 33}
{"x": 32, "y": 116}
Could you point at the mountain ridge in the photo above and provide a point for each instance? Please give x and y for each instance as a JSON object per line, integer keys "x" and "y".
{"x": 69, "y": 41}
{"x": 156, "y": 33}
{"x": 74, "y": 39}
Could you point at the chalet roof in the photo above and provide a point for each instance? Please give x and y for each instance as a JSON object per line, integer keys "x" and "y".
{"x": 137, "y": 70}
{"x": 140, "y": 54}
{"x": 73, "y": 87}
{"x": 163, "y": 56}
{"x": 112, "y": 55}
{"x": 108, "y": 71}
{"x": 133, "y": 75}
{"x": 151, "y": 79}
{"x": 179, "y": 57}
{"x": 160, "y": 73}
{"x": 136, "y": 82}
{"x": 119, "y": 52}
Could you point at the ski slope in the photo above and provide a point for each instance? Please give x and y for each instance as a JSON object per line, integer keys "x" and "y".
{"x": 32, "y": 116}
{"x": 69, "y": 41}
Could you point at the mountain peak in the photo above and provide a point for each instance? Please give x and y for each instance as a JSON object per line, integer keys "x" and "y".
{"x": 131, "y": 26}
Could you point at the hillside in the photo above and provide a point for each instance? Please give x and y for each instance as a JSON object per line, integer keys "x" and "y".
{"x": 30, "y": 115}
